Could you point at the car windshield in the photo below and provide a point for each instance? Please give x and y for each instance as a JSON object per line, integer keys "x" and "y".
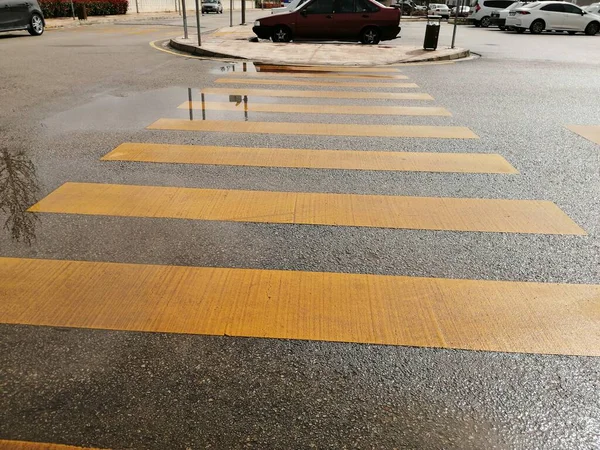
{"x": 209, "y": 1}
{"x": 531, "y": 5}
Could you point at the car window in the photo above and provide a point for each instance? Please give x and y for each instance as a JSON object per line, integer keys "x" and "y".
{"x": 572, "y": 9}
{"x": 343, "y": 6}
{"x": 320, "y": 7}
{"x": 365, "y": 6}
{"x": 497, "y": 3}
{"x": 553, "y": 7}
{"x": 531, "y": 5}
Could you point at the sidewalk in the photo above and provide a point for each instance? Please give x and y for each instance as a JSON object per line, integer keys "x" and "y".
{"x": 235, "y": 43}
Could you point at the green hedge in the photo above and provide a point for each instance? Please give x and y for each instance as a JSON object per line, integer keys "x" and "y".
{"x": 62, "y": 8}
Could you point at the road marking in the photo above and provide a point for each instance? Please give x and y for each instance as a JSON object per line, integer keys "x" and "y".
{"x": 316, "y": 129}
{"x": 503, "y": 316}
{"x": 317, "y": 75}
{"x": 156, "y": 47}
{"x": 318, "y": 109}
{"x": 313, "y": 83}
{"x": 23, "y": 445}
{"x": 380, "y": 211}
{"x": 318, "y": 94}
{"x": 278, "y": 68}
{"x": 312, "y": 159}
{"x": 590, "y": 132}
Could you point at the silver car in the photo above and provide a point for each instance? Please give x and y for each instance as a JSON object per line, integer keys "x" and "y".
{"x": 16, "y": 15}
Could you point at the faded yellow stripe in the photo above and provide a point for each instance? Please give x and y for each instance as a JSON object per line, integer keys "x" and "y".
{"x": 383, "y": 211}
{"x": 393, "y": 310}
{"x": 316, "y": 75}
{"x": 317, "y": 129}
{"x": 280, "y": 68}
{"x": 311, "y": 159}
{"x": 314, "y": 83}
{"x": 590, "y": 132}
{"x": 319, "y": 109}
{"x": 24, "y": 445}
{"x": 318, "y": 94}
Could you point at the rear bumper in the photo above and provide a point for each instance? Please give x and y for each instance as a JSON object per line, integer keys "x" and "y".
{"x": 496, "y": 21}
{"x": 389, "y": 33}
{"x": 263, "y": 32}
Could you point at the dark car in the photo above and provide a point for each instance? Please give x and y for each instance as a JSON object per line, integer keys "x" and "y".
{"x": 16, "y": 15}
{"x": 366, "y": 21}
{"x": 209, "y": 6}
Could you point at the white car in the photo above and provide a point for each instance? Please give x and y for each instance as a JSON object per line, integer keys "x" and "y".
{"x": 439, "y": 9}
{"x": 481, "y": 13}
{"x": 499, "y": 17}
{"x": 462, "y": 12}
{"x": 289, "y": 7}
{"x": 557, "y": 16}
{"x": 594, "y": 8}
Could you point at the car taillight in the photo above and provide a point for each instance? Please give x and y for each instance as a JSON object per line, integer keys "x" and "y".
{"x": 523, "y": 12}
{"x": 477, "y": 7}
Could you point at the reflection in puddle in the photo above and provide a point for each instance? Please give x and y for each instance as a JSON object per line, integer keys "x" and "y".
{"x": 256, "y": 68}
{"x": 18, "y": 191}
{"x": 234, "y": 100}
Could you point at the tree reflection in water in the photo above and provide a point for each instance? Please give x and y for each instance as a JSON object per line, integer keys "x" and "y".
{"x": 18, "y": 191}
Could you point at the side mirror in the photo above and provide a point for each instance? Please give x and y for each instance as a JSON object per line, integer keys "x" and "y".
{"x": 583, "y": 13}
{"x": 303, "y": 13}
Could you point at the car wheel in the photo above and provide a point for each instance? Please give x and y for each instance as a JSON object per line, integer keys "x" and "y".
{"x": 476, "y": 23}
{"x": 485, "y": 21}
{"x": 281, "y": 34}
{"x": 592, "y": 28}
{"x": 520, "y": 30}
{"x": 36, "y": 25}
{"x": 370, "y": 36}
{"x": 537, "y": 27}
{"x": 502, "y": 28}
{"x": 572, "y": 32}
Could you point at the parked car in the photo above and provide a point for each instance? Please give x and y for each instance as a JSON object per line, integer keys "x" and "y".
{"x": 439, "y": 9}
{"x": 17, "y": 15}
{"x": 288, "y": 7}
{"x": 463, "y": 11}
{"x": 367, "y": 21}
{"x": 481, "y": 13}
{"x": 594, "y": 8}
{"x": 498, "y": 18}
{"x": 408, "y": 7}
{"x": 558, "y": 16}
{"x": 213, "y": 6}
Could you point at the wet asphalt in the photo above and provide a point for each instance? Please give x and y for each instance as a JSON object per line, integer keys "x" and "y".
{"x": 70, "y": 97}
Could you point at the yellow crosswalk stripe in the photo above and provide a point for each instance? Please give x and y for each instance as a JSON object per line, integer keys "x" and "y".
{"x": 590, "y": 132}
{"x": 280, "y": 68}
{"x": 312, "y": 159}
{"x": 384, "y": 211}
{"x": 335, "y": 75}
{"x": 271, "y": 81}
{"x": 316, "y": 129}
{"x": 382, "y": 110}
{"x": 318, "y": 94}
{"x": 24, "y": 445}
{"x": 504, "y": 316}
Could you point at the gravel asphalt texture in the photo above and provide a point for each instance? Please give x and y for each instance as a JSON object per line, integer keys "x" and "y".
{"x": 69, "y": 98}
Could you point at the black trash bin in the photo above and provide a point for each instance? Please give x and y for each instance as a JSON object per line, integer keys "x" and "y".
{"x": 432, "y": 32}
{"x": 81, "y": 12}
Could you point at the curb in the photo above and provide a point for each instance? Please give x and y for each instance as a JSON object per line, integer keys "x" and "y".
{"x": 197, "y": 51}
{"x": 86, "y": 23}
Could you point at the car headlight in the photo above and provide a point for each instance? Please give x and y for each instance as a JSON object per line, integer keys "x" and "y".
{"x": 257, "y": 23}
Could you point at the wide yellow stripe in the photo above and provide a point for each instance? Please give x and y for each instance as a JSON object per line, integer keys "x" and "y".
{"x": 385, "y": 211}
{"x": 590, "y": 132}
{"x": 318, "y": 94}
{"x": 317, "y": 129}
{"x": 313, "y": 83}
{"x": 311, "y": 159}
{"x": 394, "y": 310}
{"x": 316, "y": 75}
{"x": 281, "y": 68}
{"x": 25, "y": 445}
{"x": 319, "y": 109}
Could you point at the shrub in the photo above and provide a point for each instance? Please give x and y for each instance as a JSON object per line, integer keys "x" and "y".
{"x": 62, "y": 8}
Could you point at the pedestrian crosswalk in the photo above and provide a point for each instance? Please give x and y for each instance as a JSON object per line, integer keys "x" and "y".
{"x": 508, "y": 316}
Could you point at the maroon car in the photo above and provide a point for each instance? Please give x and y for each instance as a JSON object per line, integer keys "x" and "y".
{"x": 366, "y": 21}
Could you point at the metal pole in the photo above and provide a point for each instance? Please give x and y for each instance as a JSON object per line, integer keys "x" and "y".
{"x": 458, "y": 3}
{"x": 198, "y": 23}
{"x": 243, "y": 12}
{"x": 185, "y": 30}
{"x": 230, "y": 13}
{"x": 137, "y": 7}
{"x": 72, "y": 10}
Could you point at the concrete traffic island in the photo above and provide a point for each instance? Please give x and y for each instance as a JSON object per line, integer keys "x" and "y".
{"x": 237, "y": 43}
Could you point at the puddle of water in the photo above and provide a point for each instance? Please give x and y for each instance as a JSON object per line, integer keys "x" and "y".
{"x": 256, "y": 68}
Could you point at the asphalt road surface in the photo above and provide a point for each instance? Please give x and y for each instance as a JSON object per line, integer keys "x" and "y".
{"x": 347, "y": 279}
